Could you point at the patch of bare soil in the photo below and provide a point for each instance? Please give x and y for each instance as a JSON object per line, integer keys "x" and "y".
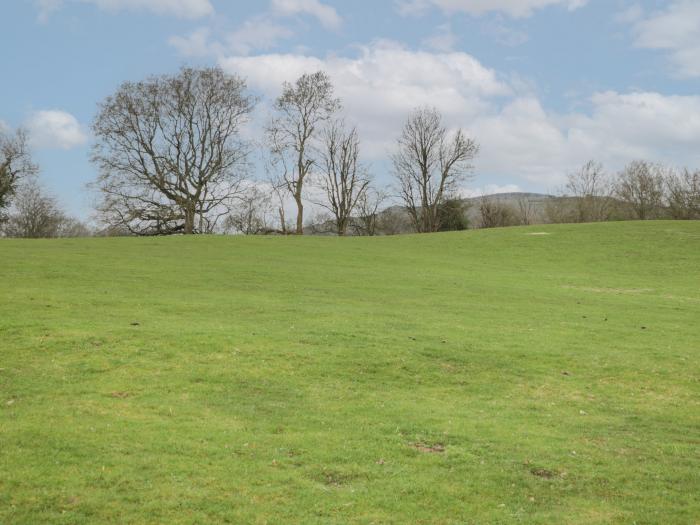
{"x": 334, "y": 478}
{"x": 543, "y": 473}
{"x": 436, "y": 448}
{"x": 120, "y": 395}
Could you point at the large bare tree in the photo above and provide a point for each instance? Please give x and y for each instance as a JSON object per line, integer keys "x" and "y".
{"x": 15, "y": 164}
{"x": 170, "y": 151}
{"x": 429, "y": 164}
{"x": 641, "y": 186}
{"x": 343, "y": 178}
{"x": 300, "y": 111}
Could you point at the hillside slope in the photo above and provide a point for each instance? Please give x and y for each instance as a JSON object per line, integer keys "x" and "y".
{"x": 527, "y": 375}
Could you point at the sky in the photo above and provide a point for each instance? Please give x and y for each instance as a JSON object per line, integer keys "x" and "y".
{"x": 542, "y": 85}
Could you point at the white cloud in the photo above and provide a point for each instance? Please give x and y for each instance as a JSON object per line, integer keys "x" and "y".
{"x": 514, "y": 8}
{"x": 383, "y": 84}
{"x": 55, "y": 129}
{"x": 325, "y": 14}
{"x": 389, "y": 69}
{"x": 644, "y": 125}
{"x": 257, "y": 33}
{"x": 196, "y": 44}
{"x": 260, "y": 32}
{"x": 444, "y": 39}
{"x": 503, "y": 34}
{"x": 675, "y": 30}
{"x": 526, "y": 141}
{"x": 178, "y": 8}
{"x": 520, "y": 140}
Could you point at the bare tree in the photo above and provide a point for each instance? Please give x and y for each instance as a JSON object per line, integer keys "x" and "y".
{"x": 429, "y": 164}
{"x": 683, "y": 191}
{"x": 321, "y": 222}
{"x": 558, "y": 210}
{"x": 342, "y": 178}
{"x": 279, "y": 191}
{"x": 395, "y": 220}
{"x": 368, "y": 204}
{"x": 527, "y": 211}
{"x": 592, "y": 191}
{"x": 34, "y": 213}
{"x": 15, "y": 164}
{"x": 170, "y": 153}
{"x": 301, "y": 109}
{"x": 72, "y": 227}
{"x": 251, "y": 215}
{"x": 641, "y": 186}
{"x": 496, "y": 214}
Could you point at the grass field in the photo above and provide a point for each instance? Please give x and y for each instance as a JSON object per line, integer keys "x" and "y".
{"x": 498, "y": 376}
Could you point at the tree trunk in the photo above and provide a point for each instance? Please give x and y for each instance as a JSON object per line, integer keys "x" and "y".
{"x": 189, "y": 219}
{"x": 283, "y": 221}
{"x": 300, "y": 215}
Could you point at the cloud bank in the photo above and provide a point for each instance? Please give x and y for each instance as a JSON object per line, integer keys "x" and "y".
{"x": 520, "y": 140}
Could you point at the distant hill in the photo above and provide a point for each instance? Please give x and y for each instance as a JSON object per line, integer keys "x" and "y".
{"x": 521, "y": 202}
{"x": 395, "y": 220}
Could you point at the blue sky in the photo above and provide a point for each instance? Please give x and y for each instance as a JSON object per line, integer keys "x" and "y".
{"x": 543, "y": 85}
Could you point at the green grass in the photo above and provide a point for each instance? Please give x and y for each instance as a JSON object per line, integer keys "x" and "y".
{"x": 481, "y": 377}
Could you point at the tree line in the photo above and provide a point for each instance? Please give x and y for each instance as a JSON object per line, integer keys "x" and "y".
{"x": 26, "y": 209}
{"x": 173, "y": 155}
{"x": 642, "y": 190}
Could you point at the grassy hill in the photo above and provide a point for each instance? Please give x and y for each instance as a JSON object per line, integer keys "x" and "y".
{"x": 527, "y": 375}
